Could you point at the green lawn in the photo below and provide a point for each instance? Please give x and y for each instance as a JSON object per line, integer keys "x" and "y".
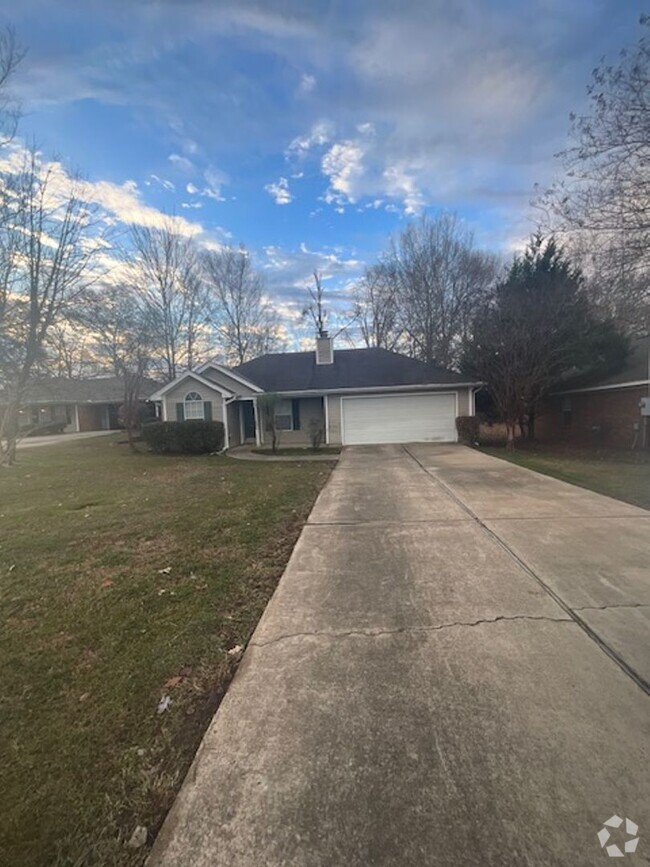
{"x": 123, "y": 579}
{"x": 624, "y": 475}
{"x": 296, "y": 451}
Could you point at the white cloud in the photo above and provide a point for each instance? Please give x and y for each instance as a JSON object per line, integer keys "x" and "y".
{"x": 195, "y": 205}
{"x": 401, "y": 184}
{"x": 182, "y": 163}
{"x": 215, "y": 180}
{"x": 280, "y": 191}
{"x": 117, "y": 203}
{"x": 319, "y": 135}
{"x": 343, "y": 165}
{"x": 165, "y": 184}
{"x": 307, "y": 84}
{"x": 212, "y": 189}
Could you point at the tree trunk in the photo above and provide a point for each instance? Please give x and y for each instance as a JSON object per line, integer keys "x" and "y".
{"x": 510, "y": 435}
{"x": 531, "y": 425}
{"x": 9, "y": 434}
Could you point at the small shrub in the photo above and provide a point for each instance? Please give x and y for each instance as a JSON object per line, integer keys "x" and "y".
{"x": 467, "y": 427}
{"x": 46, "y": 429}
{"x": 184, "y": 437}
{"x": 316, "y": 433}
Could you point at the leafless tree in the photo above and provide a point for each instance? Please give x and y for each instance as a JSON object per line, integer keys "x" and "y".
{"x": 48, "y": 241}
{"x": 11, "y": 53}
{"x": 166, "y": 274}
{"x": 124, "y": 340}
{"x": 602, "y": 206}
{"x": 433, "y": 279}
{"x": 68, "y": 352}
{"x": 245, "y": 324}
{"x": 315, "y": 310}
{"x": 376, "y": 307}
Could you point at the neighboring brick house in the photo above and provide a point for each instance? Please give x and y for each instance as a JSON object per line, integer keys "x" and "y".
{"x": 606, "y": 412}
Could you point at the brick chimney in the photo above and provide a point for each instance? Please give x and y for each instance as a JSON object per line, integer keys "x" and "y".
{"x": 324, "y": 348}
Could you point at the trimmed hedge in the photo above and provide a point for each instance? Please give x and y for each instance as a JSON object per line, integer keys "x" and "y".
{"x": 468, "y": 428}
{"x": 46, "y": 429}
{"x": 184, "y": 437}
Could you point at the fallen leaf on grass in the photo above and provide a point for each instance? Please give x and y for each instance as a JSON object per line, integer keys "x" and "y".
{"x": 171, "y": 682}
{"x": 106, "y": 583}
{"x": 84, "y": 697}
{"x": 185, "y": 671}
{"x": 138, "y": 838}
{"x": 165, "y": 571}
{"x": 164, "y": 704}
{"x": 236, "y": 651}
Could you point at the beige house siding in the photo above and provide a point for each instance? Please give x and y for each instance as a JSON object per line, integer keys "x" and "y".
{"x": 310, "y": 407}
{"x": 177, "y": 395}
{"x": 227, "y": 382}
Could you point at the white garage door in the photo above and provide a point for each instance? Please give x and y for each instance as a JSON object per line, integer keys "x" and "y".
{"x": 399, "y": 418}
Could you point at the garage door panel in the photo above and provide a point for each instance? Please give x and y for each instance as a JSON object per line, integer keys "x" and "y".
{"x": 399, "y": 418}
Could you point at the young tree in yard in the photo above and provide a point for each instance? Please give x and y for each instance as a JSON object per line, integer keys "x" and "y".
{"x": 246, "y": 326}
{"x": 438, "y": 280}
{"x": 267, "y": 405}
{"x": 603, "y": 205}
{"x": 166, "y": 274}
{"x": 537, "y": 327}
{"x": 48, "y": 241}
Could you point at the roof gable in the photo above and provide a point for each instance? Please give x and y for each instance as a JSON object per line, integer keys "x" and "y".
{"x": 190, "y": 375}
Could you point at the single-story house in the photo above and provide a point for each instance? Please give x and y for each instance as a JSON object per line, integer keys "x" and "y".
{"x": 78, "y": 404}
{"x": 356, "y": 396}
{"x": 611, "y": 411}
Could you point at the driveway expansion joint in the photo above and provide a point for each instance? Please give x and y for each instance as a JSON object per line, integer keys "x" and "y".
{"x": 613, "y": 605}
{"x": 638, "y": 679}
{"x": 400, "y": 630}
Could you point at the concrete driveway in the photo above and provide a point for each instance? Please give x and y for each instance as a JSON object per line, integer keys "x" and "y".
{"x": 57, "y": 439}
{"x": 453, "y": 671}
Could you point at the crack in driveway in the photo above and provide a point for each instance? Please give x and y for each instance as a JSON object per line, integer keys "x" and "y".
{"x": 398, "y": 630}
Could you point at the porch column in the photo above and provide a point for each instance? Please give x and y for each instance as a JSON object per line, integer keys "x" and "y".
{"x": 327, "y": 420}
{"x": 258, "y": 432}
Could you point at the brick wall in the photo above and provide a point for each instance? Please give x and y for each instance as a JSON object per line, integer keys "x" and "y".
{"x": 599, "y": 418}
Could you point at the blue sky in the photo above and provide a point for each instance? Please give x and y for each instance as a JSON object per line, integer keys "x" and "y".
{"x": 310, "y": 130}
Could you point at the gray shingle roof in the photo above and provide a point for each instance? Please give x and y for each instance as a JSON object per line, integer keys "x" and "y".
{"x": 352, "y": 368}
{"x": 101, "y": 389}
{"x": 635, "y": 369}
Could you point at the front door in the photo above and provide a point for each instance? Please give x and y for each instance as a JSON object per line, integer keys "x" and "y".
{"x": 249, "y": 419}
